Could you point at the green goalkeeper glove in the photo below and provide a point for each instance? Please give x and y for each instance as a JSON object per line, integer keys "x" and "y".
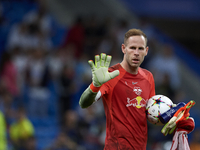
{"x": 181, "y": 114}
{"x": 100, "y": 73}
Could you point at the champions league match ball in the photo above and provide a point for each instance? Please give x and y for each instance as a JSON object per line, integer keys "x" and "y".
{"x": 156, "y": 106}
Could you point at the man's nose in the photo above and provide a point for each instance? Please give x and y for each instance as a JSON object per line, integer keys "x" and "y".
{"x": 136, "y": 52}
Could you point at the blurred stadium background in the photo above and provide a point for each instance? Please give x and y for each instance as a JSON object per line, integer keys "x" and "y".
{"x": 44, "y": 49}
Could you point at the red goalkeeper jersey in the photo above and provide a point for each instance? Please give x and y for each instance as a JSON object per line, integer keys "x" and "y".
{"x": 124, "y": 99}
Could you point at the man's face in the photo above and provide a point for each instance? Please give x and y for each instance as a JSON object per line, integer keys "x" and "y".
{"x": 135, "y": 50}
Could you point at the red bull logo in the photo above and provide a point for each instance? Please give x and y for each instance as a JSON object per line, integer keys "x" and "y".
{"x": 137, "y": 90}
{"x": 136, "y": 102}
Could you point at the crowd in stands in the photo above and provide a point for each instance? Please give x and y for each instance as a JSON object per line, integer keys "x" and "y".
{"x": 31, "y": 64}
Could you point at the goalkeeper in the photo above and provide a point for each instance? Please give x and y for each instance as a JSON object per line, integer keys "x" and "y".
{"x": 124, "y": 89}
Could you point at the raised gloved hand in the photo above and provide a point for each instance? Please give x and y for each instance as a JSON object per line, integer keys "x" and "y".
{"x": 180, "y": 115}
{"x": 100, "y": 73}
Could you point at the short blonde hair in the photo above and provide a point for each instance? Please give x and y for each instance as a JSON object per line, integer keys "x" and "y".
{"x": 134, "y": 32}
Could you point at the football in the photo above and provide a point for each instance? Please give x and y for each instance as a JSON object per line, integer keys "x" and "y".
{"x": 156, "y": 106}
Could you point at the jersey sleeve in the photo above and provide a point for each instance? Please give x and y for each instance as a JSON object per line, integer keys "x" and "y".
{"x": 149, "y": 76}
{"x": 151, "y": 80}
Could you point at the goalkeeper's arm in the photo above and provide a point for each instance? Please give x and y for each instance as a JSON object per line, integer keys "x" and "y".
{"x": 100, "y": 75}
{"x": 87, "y": 98}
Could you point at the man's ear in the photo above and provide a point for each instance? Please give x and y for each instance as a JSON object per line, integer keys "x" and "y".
{"x": 123, "y": 48}
{"x": 147, "y": 49}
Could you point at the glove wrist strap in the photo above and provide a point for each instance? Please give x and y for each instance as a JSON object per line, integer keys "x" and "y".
{"x": 94, "y": 88}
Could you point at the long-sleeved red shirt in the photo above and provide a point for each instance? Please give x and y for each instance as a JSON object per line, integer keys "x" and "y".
{"x": 124, "y": 99}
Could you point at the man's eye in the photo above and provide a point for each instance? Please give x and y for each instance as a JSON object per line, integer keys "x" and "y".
{"x": 132, "y": 48}
{"x": 141, "y": 48}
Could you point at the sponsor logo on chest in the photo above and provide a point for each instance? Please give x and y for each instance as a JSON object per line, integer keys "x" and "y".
{"x": 138, "y": 101}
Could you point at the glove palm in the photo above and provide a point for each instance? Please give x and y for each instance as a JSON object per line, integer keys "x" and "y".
{"x": 100, "y": 73}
